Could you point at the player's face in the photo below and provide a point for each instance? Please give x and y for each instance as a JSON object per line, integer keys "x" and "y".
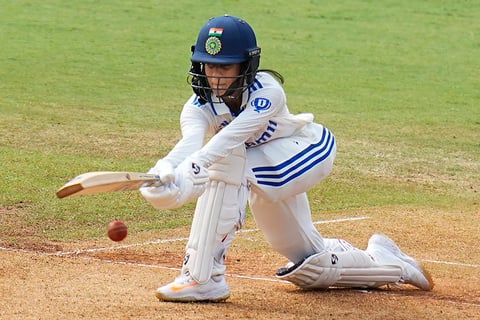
{"x": 221, "y": 76}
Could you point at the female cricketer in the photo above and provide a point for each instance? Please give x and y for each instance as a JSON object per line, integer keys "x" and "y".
{"x": 241, "y": 146}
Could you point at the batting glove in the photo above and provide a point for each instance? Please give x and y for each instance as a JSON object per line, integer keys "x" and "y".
{"x": 164, "y": 169}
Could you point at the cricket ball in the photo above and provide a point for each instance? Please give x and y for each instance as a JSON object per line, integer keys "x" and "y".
{"x": 117, "y": 230}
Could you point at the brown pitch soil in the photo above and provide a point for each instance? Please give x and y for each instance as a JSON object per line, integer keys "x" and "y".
{"x": 105, "y": 280}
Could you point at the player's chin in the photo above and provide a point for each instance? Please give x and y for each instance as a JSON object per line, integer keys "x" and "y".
{"x": 219, "y": 90}
{"x": 219, "y": 93}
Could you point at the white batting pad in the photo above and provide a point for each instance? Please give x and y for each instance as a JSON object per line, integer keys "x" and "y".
{"x": 352, "y": 268}
{"x": 217, "y": 214}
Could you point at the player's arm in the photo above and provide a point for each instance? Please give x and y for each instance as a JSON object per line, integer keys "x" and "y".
{"x": 194, "y": 125}
{"x": 183, "y": 180}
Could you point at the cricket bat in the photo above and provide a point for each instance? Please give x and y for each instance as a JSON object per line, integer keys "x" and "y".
{"x": 106, "y": 181}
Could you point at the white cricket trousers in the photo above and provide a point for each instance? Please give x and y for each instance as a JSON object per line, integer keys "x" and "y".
{"x": 281, "y": 173}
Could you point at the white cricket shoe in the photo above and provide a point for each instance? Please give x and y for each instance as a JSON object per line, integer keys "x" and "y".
{"x": 185, "y": 289}
{"x": 385, "y": 251}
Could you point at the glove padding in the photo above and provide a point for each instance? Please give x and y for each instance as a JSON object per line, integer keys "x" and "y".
{"x": 164, "y": 169}
{"x": 189, "y": 183}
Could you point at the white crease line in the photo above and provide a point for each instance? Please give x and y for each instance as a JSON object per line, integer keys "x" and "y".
{"x": 160, "y": 241}
{"x": 317, "y": 222}
{"x": 156, "y": 266}
{"x": 453, "y": 263}
{"x": 255, "y": 278}
{"x": 124, "y": 246}
{"x": 341, "y": 220}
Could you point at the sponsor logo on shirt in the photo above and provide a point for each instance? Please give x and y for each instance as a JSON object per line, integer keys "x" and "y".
{"x": 261, "y": 104}
{"x": 265, "y": 136}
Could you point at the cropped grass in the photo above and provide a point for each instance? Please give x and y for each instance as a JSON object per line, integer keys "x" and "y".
{"x": 91, "y": 85}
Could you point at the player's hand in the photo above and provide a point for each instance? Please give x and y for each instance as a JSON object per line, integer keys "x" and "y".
{"x": 164, "y": 169}
{"x": 163, "y": 196}
{"x": 191, "y": 178}
{"x": 189, "y": 183}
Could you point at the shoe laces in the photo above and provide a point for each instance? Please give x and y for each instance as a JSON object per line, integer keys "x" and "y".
{"x": 184, "y": 278}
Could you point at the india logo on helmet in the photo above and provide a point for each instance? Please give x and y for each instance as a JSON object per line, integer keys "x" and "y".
{"x": 213, "y": 45}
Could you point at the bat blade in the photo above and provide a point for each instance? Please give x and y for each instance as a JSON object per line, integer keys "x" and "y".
{"x": 106, "y": 181}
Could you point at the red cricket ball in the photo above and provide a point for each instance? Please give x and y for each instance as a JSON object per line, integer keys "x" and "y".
{"x": 117, "y": 230}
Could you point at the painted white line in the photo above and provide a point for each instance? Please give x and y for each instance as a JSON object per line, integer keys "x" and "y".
{"x": 341, "y": 220}
{"x": 317, "y": 222}
{"x": 156, "y": 266}
{"x": 160, "y": 241}
{"x": 124, "y": 246}
{"x": 453, "y": 263}
{"x": 255, "y": 278}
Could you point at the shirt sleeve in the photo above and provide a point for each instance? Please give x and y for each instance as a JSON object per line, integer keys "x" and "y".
{"x": 194, "y": 126}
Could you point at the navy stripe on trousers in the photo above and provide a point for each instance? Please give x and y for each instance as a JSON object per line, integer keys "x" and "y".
{"x": 298, "y": 165}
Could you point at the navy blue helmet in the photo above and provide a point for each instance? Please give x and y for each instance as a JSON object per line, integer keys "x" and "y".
{"x": 224, "y": 40}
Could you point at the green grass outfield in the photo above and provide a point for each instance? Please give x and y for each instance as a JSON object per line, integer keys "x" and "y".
{"x": 99, "y": 85}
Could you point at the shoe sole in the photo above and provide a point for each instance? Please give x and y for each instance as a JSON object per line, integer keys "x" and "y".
{"x": 163, "y": 297}
{"x": 392, "y": 247}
